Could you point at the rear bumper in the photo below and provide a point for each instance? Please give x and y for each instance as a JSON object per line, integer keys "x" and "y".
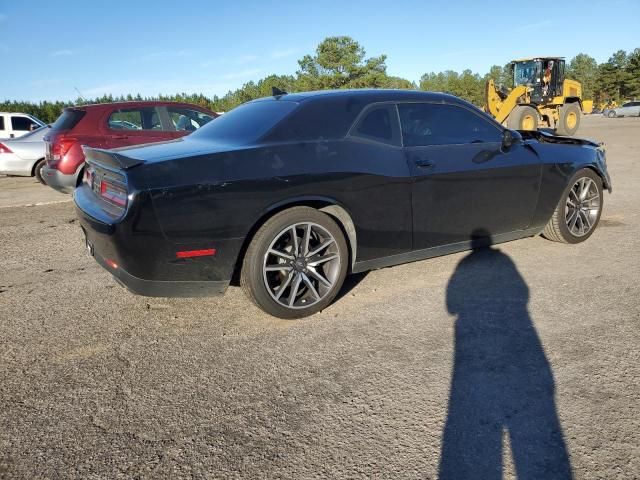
{"x": 59, "y": 181}
{"x": 159, "y": 288}
{"x": 134, "y": 250}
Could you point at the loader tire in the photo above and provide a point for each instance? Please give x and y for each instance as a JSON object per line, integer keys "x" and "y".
{"x": 523, "y": 118}
{"x": 569, "y": 119}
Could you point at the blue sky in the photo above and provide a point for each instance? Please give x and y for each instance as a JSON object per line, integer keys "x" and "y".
{"x": 49, "y": 47}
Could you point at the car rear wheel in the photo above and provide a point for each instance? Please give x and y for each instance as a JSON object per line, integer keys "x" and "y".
{"x": 296, "y": 263}
{"x": 578, "y": 212}
{"x": 569, "y": 119}
{"x": 37, "y": 170}
{"x": 611, "y": 114}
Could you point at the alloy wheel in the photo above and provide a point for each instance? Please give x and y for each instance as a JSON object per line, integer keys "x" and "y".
{"x": 301, "y": 265}
{"x": 582, "y": 207}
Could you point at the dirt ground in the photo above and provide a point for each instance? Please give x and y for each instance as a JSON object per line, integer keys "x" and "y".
{"x": 522, "y": 359}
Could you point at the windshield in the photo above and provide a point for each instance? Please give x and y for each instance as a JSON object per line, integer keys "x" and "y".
{"x": 37, "y": 120}
{"x": 526, "y": 73}
{"x": 246, "y": 123}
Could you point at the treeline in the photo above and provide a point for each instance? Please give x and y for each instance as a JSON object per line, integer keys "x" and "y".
{"x": 340, "y": 62}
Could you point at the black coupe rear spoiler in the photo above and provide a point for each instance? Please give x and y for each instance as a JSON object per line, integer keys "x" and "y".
{"x": 109, "y": 158}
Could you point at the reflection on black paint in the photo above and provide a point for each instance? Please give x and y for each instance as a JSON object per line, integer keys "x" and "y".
{"x": 502, "y": 382}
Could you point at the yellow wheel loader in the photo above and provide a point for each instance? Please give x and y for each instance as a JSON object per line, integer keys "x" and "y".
{"x": 541, "y": 97}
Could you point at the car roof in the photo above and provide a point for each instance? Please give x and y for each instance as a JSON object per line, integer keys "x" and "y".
{"x": 369, "y": 95}
{"x": 536, "y": 58}
{"x": 135, "y": 103}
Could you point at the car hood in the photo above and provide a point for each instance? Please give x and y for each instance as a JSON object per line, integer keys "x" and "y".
{"x": 544, "y": 137}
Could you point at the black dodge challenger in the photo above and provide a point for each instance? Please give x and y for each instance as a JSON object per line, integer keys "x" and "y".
{"x": 289, "y": 194}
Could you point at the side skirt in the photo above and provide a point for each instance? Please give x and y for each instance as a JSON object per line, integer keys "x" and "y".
{"x": 440, "y": 250}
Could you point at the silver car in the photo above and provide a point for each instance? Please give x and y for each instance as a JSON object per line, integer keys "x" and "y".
{"x": 629, "y": 109}
{"x": 24, "y": 156}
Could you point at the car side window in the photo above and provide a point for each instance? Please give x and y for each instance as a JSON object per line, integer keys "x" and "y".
{"x": 1, "y": 123}
{"x": 187, "y": 120}
{"x": 425, "y": 124}
{"x": 145, "y": 118}
{"x": 22, "y": 124}
{"x": 379, "y": 124}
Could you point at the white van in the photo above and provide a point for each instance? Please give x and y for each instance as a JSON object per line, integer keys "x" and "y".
{"x": 14, "y": 125}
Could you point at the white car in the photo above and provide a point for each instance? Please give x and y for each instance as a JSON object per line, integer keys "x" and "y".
{"x": 24, "y": 156}
{"x": 629, "y": 109}
{"x": 14, "y": 125}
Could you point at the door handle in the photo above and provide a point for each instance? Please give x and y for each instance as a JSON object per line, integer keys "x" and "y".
{"x": 424, "y": 163}
{"x": 120, "y": 137}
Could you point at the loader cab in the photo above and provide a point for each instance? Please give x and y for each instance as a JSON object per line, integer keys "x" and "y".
{"x": 543, "y": 75}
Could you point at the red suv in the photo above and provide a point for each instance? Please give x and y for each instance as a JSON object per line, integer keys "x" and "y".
{"x": 111, "y": 125}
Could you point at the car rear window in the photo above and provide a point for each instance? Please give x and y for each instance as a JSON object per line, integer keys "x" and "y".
{"x": 69, "y": 119}
{"x": 246, "y": 123}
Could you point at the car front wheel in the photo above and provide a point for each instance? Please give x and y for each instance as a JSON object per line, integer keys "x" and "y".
{"x": 296, "y": 263}
{"x": 578, "y": 211}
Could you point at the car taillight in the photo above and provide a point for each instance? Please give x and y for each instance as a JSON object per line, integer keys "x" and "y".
{"x": 113, "y": 192}
{"x": 58, "y": 146}
{"x": 110, "y": 186}
{"x": 4, "y": 149}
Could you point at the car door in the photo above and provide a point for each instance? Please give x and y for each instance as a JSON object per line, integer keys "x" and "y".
{"x": 464, "y": 179}
{"x": 20, "y": 125}
{"x": 134, "y": 126}
{"x": 3, "y": 131}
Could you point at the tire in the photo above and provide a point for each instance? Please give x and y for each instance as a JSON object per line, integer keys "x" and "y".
{"x": 560, "y": 228}
{"x": 611, "y": 114}
{"x": 569, "y": 120}
{"x": 287, "y": 284}
{"x": 80, "y": 177}
{"x": 37, "y": 170}
{"x": 523, "y": 118}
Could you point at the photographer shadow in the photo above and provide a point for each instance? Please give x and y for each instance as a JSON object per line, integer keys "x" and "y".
{"x": 502, "y": 383}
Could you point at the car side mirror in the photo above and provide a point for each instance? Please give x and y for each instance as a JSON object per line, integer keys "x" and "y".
{"x": 508, "y": 139}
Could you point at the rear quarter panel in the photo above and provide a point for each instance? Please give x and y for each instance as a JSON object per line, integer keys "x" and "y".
{"x": 223, "y": 195}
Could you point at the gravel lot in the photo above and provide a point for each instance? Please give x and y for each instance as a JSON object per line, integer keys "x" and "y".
{"x": 98, "y": 383}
